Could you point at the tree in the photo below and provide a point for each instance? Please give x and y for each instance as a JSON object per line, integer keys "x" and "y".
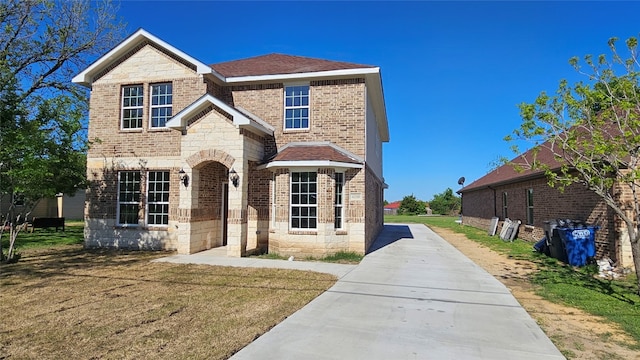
{"x": 592, "y": 128}
{"x": 411, "y": 206}
{"x": 43, "y": 43}
{"x": 445, "y": 203}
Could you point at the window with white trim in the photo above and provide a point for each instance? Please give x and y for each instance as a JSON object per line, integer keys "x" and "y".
{"x": 339, "y": 198}
{"x": 132, "y": 99}
{"x": 529, "y": 206}
{"x": 128, "y": 197}
{"x": 296, "y": 107}
{"x": 303, "y": 200}
{"x": 158, "y": 198}
{"x": 161, "y": 104}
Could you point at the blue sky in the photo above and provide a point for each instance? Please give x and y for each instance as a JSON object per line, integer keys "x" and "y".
{"x": 453, "y": 72}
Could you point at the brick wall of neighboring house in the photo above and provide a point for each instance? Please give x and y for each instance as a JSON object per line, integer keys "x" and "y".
{"x": 576, "y": 203}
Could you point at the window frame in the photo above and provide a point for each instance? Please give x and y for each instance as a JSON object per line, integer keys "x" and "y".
{"x": 138, "y": 107}
{"x": 338, "y": 202}
{"x": 293, "y": 107}
{"x": 529, "y": 209}
{"x": 505, "y": 213}
{"x": 135, "y": 193}
{"x": 166, "y": 105}
{"x": 166, "y": 180}
{"x": 311, "y": 207}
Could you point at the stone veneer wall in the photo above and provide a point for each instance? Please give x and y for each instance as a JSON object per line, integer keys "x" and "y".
{"x": 143, "y": 149}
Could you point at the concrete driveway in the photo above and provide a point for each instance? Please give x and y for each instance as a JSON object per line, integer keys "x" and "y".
{"x": 414, "y": 296}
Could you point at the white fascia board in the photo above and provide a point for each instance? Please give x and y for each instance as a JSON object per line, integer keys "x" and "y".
{"x": 86, "y": 76}
{"x": 307, "y": 75}
{"x": 374, "y": 87}
{"x": 239, "y": 119}
{"x": 310, "y": 164}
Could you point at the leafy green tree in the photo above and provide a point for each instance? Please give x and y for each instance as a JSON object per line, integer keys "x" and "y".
{"x": 593, "y": 129}
{"x": 411, "y": 206}
{"x": 445, "y": 203}
{"x": 43, "y": 43}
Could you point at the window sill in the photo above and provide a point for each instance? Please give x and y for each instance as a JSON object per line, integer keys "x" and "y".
{"x": 159, "y": 129}
{"x": 341, "y": 232}
{"x": 141, "y": 227}
{"x": 287, "y": 131}
{"x": 303, "y": 232}
{"x": 128, "y": 131}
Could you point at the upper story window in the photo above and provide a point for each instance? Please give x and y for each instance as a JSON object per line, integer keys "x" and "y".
{"x": 529, "y": 206}
{"x": 161, "y": 104}
{"x": 296, "y": 107}
{"x": 132, "y": 98}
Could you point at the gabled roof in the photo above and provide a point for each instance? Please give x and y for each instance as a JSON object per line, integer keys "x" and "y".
{"x": 314, "y": 154}
{"x": 87, "y": 76}
{"x": 278, "y": 64}
{"x": 241, "y": 118}
{"x": 507, "y": 173}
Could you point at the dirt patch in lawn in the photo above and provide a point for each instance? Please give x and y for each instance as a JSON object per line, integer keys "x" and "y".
{"x": 69, "y": 303}
{"x": 577, "y": 335}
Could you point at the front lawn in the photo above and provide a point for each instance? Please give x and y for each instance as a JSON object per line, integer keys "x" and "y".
{"x": 61, "y": 301}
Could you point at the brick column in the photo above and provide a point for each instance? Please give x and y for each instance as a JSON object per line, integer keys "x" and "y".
{"x": 237, "y": 219}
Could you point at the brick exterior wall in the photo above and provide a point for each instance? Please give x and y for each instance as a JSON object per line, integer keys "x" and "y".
{"x": 210, "y": 147}
{"x": 576, "y": 203}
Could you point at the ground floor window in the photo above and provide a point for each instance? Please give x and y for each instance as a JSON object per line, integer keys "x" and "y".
{"x": 158, "y": 198}
{"x": 504, "y": 205}
{"x": 339, "y": 198}
{"x": 155, "y": 203}
{"x": 304, "y": 200}
{"x": 529, "y": 206}
{"x": 128, "y": 197}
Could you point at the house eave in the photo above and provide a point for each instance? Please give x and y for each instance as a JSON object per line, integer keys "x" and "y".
{"x": 310, "y": 164}
{"x": 179, "y": 121}
{"x": 86, "y": 77}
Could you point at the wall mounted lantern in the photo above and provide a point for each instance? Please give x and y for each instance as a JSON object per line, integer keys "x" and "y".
{"x": 184, "y": 178}
{"x": 234, "y": 177}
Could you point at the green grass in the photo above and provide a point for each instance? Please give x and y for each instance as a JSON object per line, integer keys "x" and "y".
{"x": 40, "y": 238}
{"x": 614, "y": 300}
{"x": 341, "y": 257}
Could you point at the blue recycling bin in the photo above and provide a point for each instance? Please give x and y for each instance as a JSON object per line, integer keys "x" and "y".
{"x": 579, "y": 243}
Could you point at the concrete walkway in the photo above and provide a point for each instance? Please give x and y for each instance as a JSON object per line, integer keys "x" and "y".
{"x": 414, "y": 296}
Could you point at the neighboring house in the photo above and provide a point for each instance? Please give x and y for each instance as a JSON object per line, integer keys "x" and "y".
{"x": 526, "y": 196}
{"x": 275, "y": 152}
{"x": 392, "y": 208}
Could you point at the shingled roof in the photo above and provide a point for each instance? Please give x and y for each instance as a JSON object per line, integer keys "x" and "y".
{"x": 272, "y": 64}
{"x": 312, "y": 152}
{"x": 507, "y": 173}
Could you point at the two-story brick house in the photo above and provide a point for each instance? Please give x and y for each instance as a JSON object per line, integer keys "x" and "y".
{"x": 274, "y": 152}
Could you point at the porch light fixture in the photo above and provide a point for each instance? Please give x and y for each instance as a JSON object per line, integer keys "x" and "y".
{"x": 184, "y": 178}
{"x": 234, "y": 178}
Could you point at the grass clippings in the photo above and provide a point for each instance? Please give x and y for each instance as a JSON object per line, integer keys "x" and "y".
{"x": 71, "y": 303}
